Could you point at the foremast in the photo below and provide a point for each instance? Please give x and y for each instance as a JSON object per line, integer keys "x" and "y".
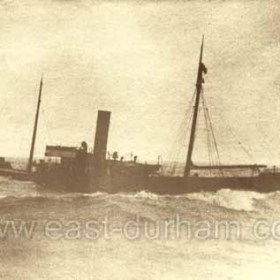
{"x": 31, "y": 155}
{"x": 201, "y": 70}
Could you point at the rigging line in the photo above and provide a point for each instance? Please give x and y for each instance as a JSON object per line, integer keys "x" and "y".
{"x": 241, "y": 145}
{"x": 184, "y": 129}
{"x": 208, "y": 130}
{"x": 212, "y": 130}
{"x": 247, "y": 152}
{"x": 187, "y": 112}
{"x": 215, "y": 144}
{"x": 177, "y": 143}
{"x": 264, "y": 143}
{"x": 188, "y": 117}
{"x": 179, "y": 146}
{"x": 213, "y": 135}
{"x": 208, "y": 139}
{"x": 211, "y": 145}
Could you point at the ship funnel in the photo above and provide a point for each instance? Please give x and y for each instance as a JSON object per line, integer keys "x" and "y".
{"x": 101, "y": 136}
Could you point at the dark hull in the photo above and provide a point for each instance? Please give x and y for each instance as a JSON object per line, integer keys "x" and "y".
{"x": 164, "y": 185}
{"x": 262, "y": 183}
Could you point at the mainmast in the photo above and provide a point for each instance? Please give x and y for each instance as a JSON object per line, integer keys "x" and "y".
{"x": 201, "y": 70}
{"x": 30, "y": 161}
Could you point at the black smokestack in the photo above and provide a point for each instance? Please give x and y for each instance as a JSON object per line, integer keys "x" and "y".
{"x": 101, "y": 135}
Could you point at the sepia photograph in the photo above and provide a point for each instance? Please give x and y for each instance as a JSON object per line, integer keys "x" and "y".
{"x": 139, "y": 140}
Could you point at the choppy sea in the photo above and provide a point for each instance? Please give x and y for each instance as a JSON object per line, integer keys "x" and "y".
{"x": 223, "y": 235}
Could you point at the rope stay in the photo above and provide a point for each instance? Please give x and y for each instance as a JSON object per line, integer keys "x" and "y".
{"x": 241, "y": 145}
{"x": 178, "y": 146}
{"x": 213, "y": 151}
{"x": 213, "y": 154}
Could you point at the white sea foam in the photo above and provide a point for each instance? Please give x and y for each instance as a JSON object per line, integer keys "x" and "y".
{"x": 236, "y": 200}
{"x": 145, "y": 194}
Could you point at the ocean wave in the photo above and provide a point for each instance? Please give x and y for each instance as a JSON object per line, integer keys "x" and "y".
{"x": 234, "y": 200}
{"x": 54, "y": 196}
{"x": 145, "y": 195}
{"x": 230, "y": 199}
{"x": 225, "y": 198}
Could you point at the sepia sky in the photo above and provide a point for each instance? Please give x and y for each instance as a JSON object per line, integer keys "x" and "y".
{"x": 139, "y": 59}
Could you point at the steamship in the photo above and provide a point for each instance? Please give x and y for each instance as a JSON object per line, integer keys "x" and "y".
{"x": 78, "y": 170}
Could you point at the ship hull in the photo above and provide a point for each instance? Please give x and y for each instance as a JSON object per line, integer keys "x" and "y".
{"x": 163, "y": 185}
{"x": 172, "y": 186}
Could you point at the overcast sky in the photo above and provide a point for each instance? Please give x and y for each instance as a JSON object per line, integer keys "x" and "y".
{"x": 139, "y": 60}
